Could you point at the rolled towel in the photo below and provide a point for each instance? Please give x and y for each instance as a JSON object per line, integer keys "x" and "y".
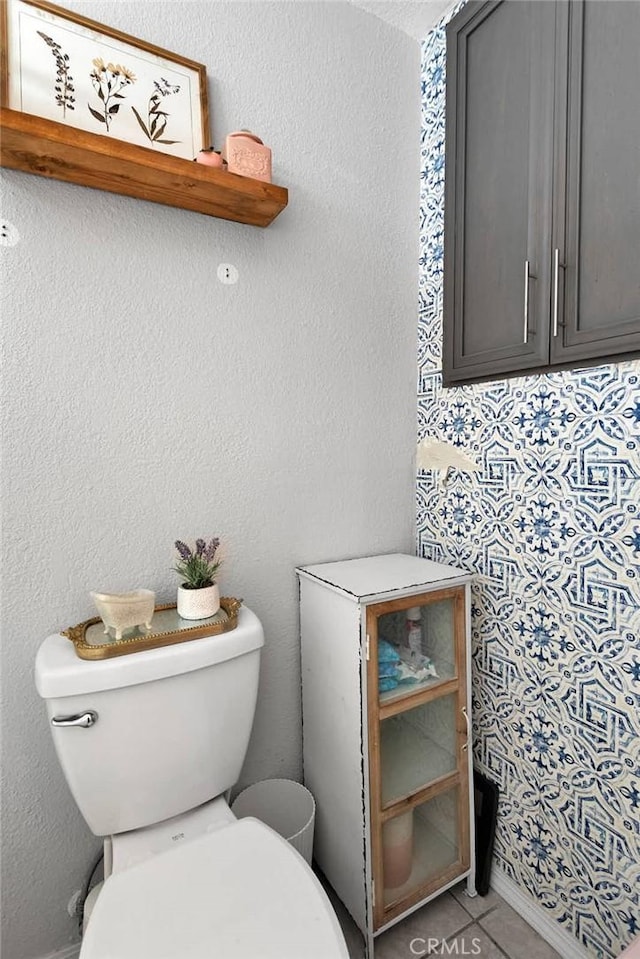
{"x": 387, "y": 653}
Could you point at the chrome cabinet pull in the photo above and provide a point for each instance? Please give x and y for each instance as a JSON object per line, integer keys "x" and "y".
{"x": 527, "y": 276}
{"x": 526, "y": 301}
{"x": 80, "y": 719}
{"x": 556, "y": 270}
{"x": 466, "y": 719}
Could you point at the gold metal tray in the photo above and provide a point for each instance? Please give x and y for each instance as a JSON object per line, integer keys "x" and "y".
{"x": 167, "y": 628}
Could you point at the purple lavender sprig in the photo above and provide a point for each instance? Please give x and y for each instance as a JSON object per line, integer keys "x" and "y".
{"x": 198, "y": 567}
{"x": 183, "y": 549}
{"x": 210, "y": 550}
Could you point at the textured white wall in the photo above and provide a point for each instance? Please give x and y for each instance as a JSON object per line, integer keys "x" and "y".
{"x": 145, "y": 401}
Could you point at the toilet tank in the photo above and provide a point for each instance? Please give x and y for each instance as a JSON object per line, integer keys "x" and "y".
{"x": 172, "y": 728}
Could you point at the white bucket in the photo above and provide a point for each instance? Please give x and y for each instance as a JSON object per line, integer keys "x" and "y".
{"x": 285, "y": 806}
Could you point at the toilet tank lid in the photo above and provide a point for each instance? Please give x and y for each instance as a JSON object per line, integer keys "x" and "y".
{"x": 60, "y": 672}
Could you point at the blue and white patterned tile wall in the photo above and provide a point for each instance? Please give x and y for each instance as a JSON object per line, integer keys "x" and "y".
{"x": 551, "y": 527}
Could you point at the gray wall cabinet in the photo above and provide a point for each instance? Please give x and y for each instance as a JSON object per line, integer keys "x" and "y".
{"x": 542, "y": 204}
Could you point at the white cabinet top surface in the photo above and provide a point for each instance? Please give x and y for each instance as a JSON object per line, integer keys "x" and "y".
{"x": 378, "y": 575}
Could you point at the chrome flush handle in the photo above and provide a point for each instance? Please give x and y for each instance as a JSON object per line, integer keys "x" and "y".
{"x": 557, "y": 266}
{"x": 527, "y": 276}
{"x": 526, "y": 301}
{"x": 80, "y": 719}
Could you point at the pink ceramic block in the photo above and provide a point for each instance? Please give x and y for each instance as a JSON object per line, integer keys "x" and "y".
{"x": 247, "y": 155}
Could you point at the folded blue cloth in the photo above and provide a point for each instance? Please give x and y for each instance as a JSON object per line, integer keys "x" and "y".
{"x": 387, "y": 653}
{"x": 387, "y": 669}
{"x": 386, "y": 683}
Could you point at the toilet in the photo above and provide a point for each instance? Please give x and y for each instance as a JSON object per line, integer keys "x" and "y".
{"x": 150, "y": 744}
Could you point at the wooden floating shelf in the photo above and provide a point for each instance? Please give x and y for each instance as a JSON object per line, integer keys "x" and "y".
{"x": 54, "y": 150}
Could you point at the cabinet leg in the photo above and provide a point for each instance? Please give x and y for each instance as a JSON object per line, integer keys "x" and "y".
{"x": 368, "y": 946}
{"x": 471, "y": 885}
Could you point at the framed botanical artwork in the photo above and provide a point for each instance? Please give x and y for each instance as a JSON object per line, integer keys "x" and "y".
{"x": 61, "y": 66}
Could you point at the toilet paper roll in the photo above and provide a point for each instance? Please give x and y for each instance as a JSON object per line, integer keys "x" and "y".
{"x": 397, "y": 850}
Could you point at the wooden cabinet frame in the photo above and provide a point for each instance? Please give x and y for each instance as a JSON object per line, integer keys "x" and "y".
{"x": 376, "y": 712}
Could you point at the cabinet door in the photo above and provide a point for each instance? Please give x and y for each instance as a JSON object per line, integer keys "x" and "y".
{"x": 499, "y": 148}
{"x": 418, "y": 730}
{"x": 596, "y": 244}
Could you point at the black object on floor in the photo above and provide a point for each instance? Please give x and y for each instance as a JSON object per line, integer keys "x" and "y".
{"x": 486, "y": 814}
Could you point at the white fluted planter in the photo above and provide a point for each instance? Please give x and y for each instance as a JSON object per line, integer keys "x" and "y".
{"x": 198, "y": 603}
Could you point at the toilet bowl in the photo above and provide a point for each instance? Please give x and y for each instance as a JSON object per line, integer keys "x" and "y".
{"x": 166, "y": 740}
{"x": 236, "y": 893}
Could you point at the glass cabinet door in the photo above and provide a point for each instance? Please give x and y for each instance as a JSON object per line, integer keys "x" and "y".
{"x": 417, "y": 747}
{"x": 420, "y": 847}
{"x": 416, "y": 646}
{"x": 418, "y": 723}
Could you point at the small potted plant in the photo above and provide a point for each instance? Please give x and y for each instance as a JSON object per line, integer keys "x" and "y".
{"x": 198, "y": 594}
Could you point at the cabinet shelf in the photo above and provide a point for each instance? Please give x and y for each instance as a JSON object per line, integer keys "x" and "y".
{"x": 405, "y": 696}
{"x": 411, "y": 760}
{"x": 46, "y": 148}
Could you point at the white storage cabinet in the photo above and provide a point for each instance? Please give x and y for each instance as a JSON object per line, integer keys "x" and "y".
{"x": 390, "y": 770}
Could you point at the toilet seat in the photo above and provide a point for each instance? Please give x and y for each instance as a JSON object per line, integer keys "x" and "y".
{"x": 238, "y": 892}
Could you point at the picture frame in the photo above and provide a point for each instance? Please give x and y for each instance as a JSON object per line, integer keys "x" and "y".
{"x": 64, "y": 67}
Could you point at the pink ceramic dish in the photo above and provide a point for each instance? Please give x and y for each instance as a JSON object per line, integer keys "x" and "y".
{"x": 211, "y": 157}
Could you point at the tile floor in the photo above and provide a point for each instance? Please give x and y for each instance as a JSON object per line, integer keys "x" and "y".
{"x": 485, "y": 927}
